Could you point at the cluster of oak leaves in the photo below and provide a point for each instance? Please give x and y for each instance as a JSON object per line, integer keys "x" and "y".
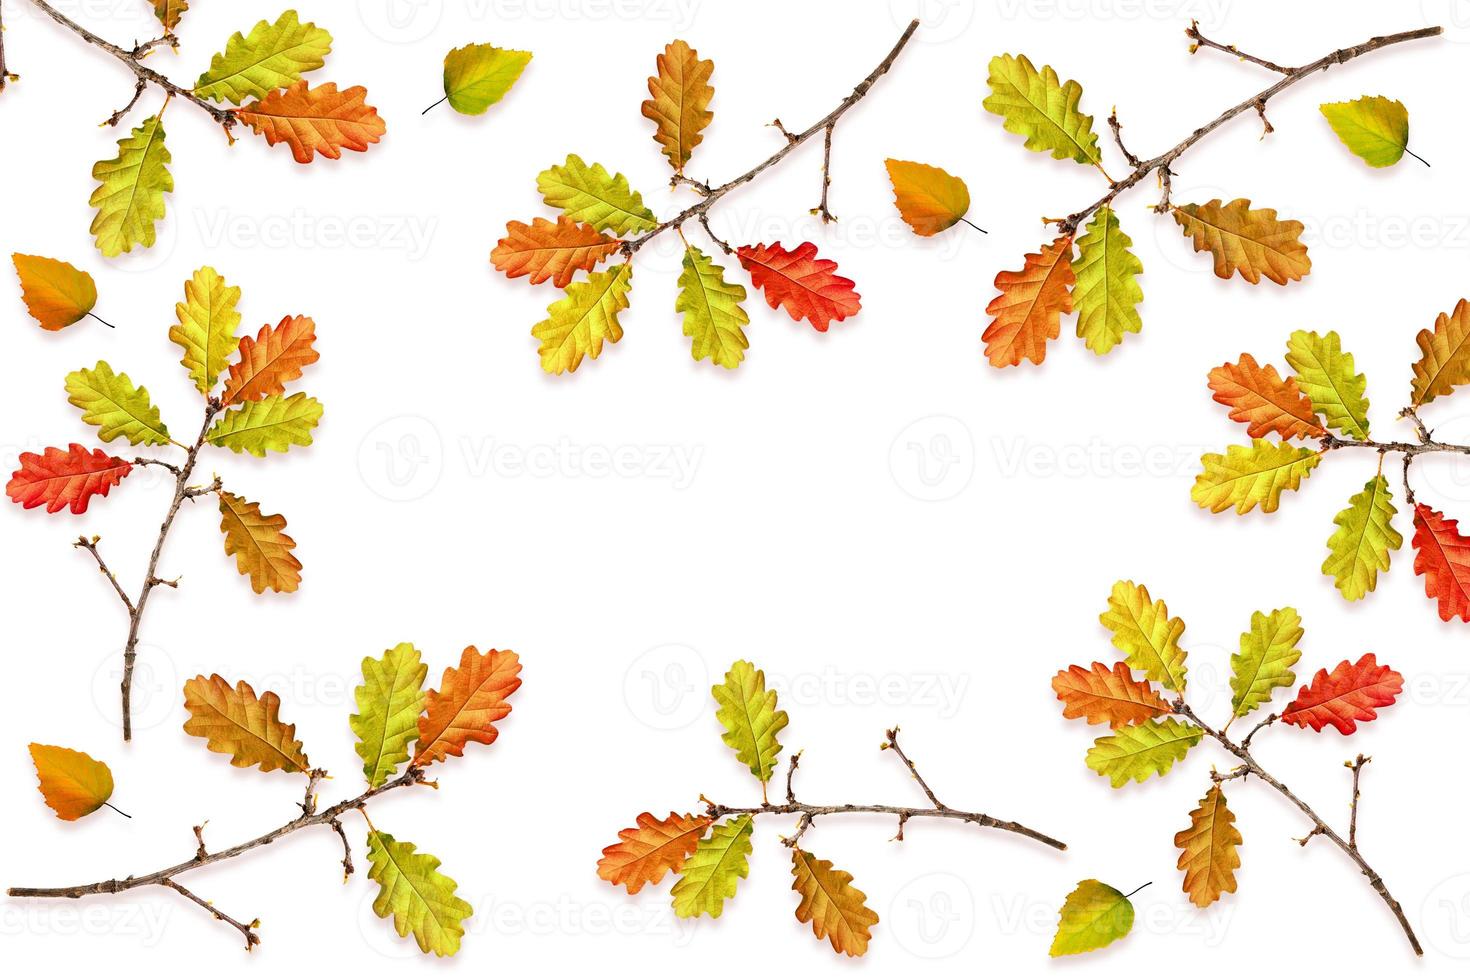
{"x": 397, "y": 722}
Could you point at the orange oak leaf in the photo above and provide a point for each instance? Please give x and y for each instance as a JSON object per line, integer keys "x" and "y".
{"x": 260, "y": 544}
{"x": 806, "y": 286}
{"x": 1345, "y": 697}
{"x": 1444, "y": 356}
{"x": 315, "y": 120}
{"x": 73, "y": 783}
{"x": 1107, "y": 694}
{"x": 1028, "y": 311}
{"x": 646, "y": 852}
{"x": 1442, "y": 556}
{"x": 551, "y": 250}
{"x": 679, "y": 106}
{"x": 273, "y": 357}
{"x": 65, "y": 478}
{"x": 1264, "y": 401}
{"x": 836, "y": 910}
{"x": 244, "y": 727}
{"x": 470, "y": 699}
{"x": 1207, "y": 850}
{"x": 1246, "y": 240}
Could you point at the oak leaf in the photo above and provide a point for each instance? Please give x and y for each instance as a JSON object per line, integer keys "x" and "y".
{"x": 713, "y": 871}
{"x": 1348, "y": 695}
{"x": 273, "y": 56}
{"x": 420, "y": 899}
{"x": 679, "y": 106}
{"x": 1264, "y": 401}
{"x": 1139, "y": 751}
{"x": 1263, "y": 663}
{"x": 1208, "y": 855}
{"x": 235, "y": 722}
{"x": 713, "y": 317}
{"x": 116, "y": 406}
{"x": 1107, "y": 293}
{"x": 130, "y": 189}
{"x": 1109, "y": 695}
{"x": 1444, "y": 359}
{"x": 750, "y": 719}
{"x": 1360, "y": 547}
{"x": 1148, "y": 636}
{"x": 273, "y": 424}
{"x": 275, "y": 356}
{"x": 1442, "y": 556}
{"x": 652, "y": 848}
{"x": 550, "y": 250}
{"x": 73, "y": 783}
{"x": 1249, "y": 475}
{"x": 1028, "y": 311}
{"x": 206, "y": 326}
{"x": 169, "y": 12}
{"x": 388, "y": 700}
{"x": 1324, "y": 372}
{"x": 1251, "y": 242}
{"x": 592, "y": 196}
{"x": 577, "y": 324}
{"x": 56, "y": 293}
{"x": 1093, "y": 915}
{"x": 477, "y": 76}
{"x": 468, "y": 702}
{"x": 836, "y": 910}
{"x": 68, "y": 477}
{"x": 315, "y": 120}
{"x": 1037, "y": 105}
{"x": 806, "y": 286}
{"x": 1374, "y": 128}
{"x": 260, "y": 544}
{"x": 928, "y": 198}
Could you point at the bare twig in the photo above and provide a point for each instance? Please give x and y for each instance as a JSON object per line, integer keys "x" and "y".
{"x": 1200, "y": 41}
{"x": 248, "y": 931}
{"x": 1320, "y": 827}
{"x": 1117, "y": 129}
{"x": 1290, "y": 76}
{"x": 821, "y": 208}
{"x": 1357, "y": 767}
{"x": 793, "y": 140}
{"x": 5, "y": 76}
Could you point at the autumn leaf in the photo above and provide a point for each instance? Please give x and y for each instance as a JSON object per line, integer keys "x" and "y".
{"x": 1028, "y": 311}
{"x": 591, "y": 196}
{"x": 277, "y": 355}
{"x": 1208, "y": 855}
{"x": 1348, "y": 695}
{"x": 273, "y": 56}
{"x": 1107, "y": 293}
{"x": 579, "y": 322}
{"x": 679, "y": 107}
{"x": 1139, "y": 751}
{"x": 1359, "y": 549}
{"x": 550, "y": 250}
{"x": 116, "y": 406}
{"x": 477, "y": 76}
{"x": 1038, "y": 106}
{"x": 713, "y": 317}
{"x": 260, "y": 544}
{"x": 420, "y": 899}
{"x": 646, "y": 852}
{"x": 56, "y": 293}
{"x": 1373, "y": 128}
{"x": 1093, "y": 916}
{"x": 206, "y": 328}
{"x": 1249, "y": 475}
{"x": 130, "y": 189}
{"x": 1109, "y": 695}
{"x": 713, "y": 872}
{"x": 388, "y": 700}
{"x": 928, "y": 198}
{"x": 807, "y": 287}
{"x": 1267, "y": 654}
{"x": 235, "y": 722}
{"x": 1444, "y": 361}
{"x": 1251, "y": 242}
{"x": 1325, "y": 374}
{"x": 62, "y": 478}
{"x": 273, "y": 424}
{"x": 315, "y": 120}
{"x": 470, "y": 699}
{"x": 835, "y": 909}
{"x": 73, "y": 783}
{"x": 1442, "y": 556}
{"x": 169, "y": 12}
{"x": 1148, "y": 636}
{"x": 750, "y": 719}
{"x": 1265, "y": 402}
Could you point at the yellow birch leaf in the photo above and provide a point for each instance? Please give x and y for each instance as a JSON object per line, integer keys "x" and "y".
{"x": 56, "y": 293}
{"x": 928, "y": 198}
{"x": 72, "y": 783}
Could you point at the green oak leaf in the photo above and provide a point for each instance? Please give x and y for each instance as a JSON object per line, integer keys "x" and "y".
{"x": 116, "y": 406}
{"x": 272, "y": 57}
{"x": 748, "y": 713}
{"x": 420, "y": 899}
{"x": 273, "y": 424}
{"x": 388, "y": 704}
{"x": 713, "y": 872}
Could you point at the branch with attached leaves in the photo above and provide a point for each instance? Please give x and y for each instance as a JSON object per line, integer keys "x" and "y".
{"x": 709, "y": 850}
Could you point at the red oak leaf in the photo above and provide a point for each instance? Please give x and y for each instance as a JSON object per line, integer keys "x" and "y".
{"x": 1345, "y": 697}
{"x": 1442, "y": 556}
{"x": 808, "y": 287}
{"x": 65, "y": 478}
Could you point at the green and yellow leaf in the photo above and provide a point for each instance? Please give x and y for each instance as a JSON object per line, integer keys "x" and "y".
{"x": 1207, "y": 850}
{"x": 389, "y": 700}
{"x": 1107, "y": 293}
{"x": 130, "y": 189}
{"x": 713, "y": 872}
{"x": 836, "y": 910}
{"x": 1324, "y": 372}
{"x": 713, "y": 317}
{"x": 273, "y": 424}
{"x": 1093, "y": 916}
{"x": 1249, "y": 475}
{"x": 579, "y": 322}
{"x": 589, "y": 195}
{"x": 1360, "y": 547}
{"x": 1038, "y": 106}
{"x": 1373, "y": 128}
{"x": 477, "y": 76}
{"x": 116, "y": 406}
{"x": 1139, "y": 751}
{"x": 420, "y": 900}
{"x": 273, "y": 56}
{"x": 752, "y": 723}
{"x": 1267, "y": 654}
{"x": 1148, "y": 636}
{"x": 206, "y": 327}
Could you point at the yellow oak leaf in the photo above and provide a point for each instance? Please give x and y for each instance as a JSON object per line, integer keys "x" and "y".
{"x": 235, "y": 722}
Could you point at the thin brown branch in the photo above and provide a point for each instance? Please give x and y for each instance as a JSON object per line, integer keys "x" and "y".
{"x": 1200, "y": 41}
{"x": 1161, "y": 163}
{"x": 793, "y": 140}
{"x": 330, "y": 817}
{"x": 821, "y": 209}
{"x": 1357, "y": 767}
{"x": 1320, "y": 827}
{"x": 248, "y": 931}
{"x": 5, "y": 76}
{"x": 90, "y": 545}
{"x": 1117, "y": 129}
{"x": 808, "y": 812}
{"x": 133, "y": 59}
{"x": 347, "y": 868}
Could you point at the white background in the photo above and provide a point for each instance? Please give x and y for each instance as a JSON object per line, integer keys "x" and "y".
{"x": 803, "y": 534}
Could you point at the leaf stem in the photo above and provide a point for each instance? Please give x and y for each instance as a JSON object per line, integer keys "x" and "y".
{"x": 440, "y": 102}
{"x": 100, "y": 320}
{"x": 116, "y": 810}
